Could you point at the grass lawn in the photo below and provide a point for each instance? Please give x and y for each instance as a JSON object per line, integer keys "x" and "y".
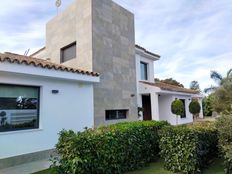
{"x": 157, "y": 168}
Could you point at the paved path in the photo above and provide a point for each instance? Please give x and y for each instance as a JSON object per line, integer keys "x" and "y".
{"x": 27, "y": 168}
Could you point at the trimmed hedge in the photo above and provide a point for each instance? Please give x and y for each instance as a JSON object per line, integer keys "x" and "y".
{"x": 113, "y": 149}
{"x": 224, "y": 126}
{"x": 188, "y": 149}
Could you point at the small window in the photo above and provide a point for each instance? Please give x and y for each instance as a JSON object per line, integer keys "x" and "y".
{"x": 143, "y": 70}
{"x": 19, "y": 107}
{"x": 68, "y": 52}
{"x": 116, "y": 114}
{"x": 184, "y": 115}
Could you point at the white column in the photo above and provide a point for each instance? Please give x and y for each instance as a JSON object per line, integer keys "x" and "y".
{"x": 155, "y": 106}
{"x": 201, "y": 112}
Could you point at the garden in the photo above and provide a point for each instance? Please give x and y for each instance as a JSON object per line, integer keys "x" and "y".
{"x": 152, "y": 147}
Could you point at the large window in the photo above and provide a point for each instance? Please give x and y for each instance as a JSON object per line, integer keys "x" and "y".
{"x": 116, "y": 114}
{"x": 68, "y": 52}
{"x": 19, "y": 107}
{"x": 143, "y": 70}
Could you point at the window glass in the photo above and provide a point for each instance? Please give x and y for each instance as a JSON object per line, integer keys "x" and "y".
{"x": 19, "y": 107}
{"x": 116, "y": 114}
{"x": 68, "y": 52}
{"x": 143, "y": 70}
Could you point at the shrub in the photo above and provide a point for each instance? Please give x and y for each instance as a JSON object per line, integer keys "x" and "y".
{"x": 225, "y": 140}
{"x": 194, "y": 107}
{"x": 177, "y": 108}
{"x": 207, "y": 103}
{"x": 187, "y": 149}
{"x": 112, "y": 149}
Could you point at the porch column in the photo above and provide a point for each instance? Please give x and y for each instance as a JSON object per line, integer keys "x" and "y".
{"x": 155, "y": 106}
{"x": 201, "y": 115}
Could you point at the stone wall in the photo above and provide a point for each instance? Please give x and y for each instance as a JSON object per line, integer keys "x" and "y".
{"x": 74, "y": 24}
{"x": 105, "y": 37}
{"x": 114, "y": 59}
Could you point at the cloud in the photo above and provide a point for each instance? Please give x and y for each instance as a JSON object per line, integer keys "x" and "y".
{"x": 192, "y": 36}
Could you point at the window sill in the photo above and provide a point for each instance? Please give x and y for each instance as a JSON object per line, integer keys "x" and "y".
{"x": 20, "y": 131}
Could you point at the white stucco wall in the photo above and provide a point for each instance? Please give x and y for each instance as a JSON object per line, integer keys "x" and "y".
{"x": 71, "y": 108}
{"x": 165, "y": 102}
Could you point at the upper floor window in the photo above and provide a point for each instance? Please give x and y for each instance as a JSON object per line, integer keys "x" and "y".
{"x": 19, "y": 107}
{"x": 68, "y": 52}
{"x": 143, "y": 71}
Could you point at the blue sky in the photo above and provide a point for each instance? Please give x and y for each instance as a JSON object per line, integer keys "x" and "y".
{"x": 192, "y": 36}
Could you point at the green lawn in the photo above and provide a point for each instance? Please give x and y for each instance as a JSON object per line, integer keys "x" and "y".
{"x": 157, "y": 168}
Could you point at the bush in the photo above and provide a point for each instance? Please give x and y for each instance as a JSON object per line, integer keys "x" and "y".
{"x": 188, "y": 149}
{"x": 207, "y": 104}
{"x": 177, "y": 108}
{"x": 225, "y": 140}
{"x": 194, "y": 107}
{"x": 112, "y": 149}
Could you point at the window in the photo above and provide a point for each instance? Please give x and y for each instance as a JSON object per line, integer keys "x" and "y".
{"x": 116, "y": 114}
{"x": 19, "y": 107}
{"x": 184, "y": 115}
{"x": 68, "y": 52}
{"x": 143, "y": 70}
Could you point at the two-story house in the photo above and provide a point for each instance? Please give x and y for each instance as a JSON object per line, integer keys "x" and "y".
{"x": 99, "y": 35}
{"x": 89, "y": 36}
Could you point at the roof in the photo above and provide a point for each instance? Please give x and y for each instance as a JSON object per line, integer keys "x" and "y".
{"x": 27, "y": 60}
{"x": 146, "y": 51}
{"x": 136, "y": 46}
{"x": 38, "y": 51}
{"x": 168, "y": 87}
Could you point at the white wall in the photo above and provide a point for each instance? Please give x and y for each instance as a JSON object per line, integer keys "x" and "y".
{"x": 71, "y": 108}
{"x": 165, "y": 109}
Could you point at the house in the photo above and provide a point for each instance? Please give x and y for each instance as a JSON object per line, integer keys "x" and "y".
{"x": 65, "y": 92}
{"x": 38, "y": 99}
{"x": 99, "y": 36}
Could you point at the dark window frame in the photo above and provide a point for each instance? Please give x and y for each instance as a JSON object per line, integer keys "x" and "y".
{"x": 37, "y": 126}
{"x": 64, "y": 48}
{"x": 107, "y": 112}
{"x": 145, "y": 72}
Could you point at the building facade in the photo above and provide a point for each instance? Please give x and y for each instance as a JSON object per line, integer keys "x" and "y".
{"x": 98, "y": 35}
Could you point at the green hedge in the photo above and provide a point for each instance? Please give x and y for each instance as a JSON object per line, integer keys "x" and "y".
{"x": 113, "y": 149}
{"x": 224, "y": 126}
{"x": 187, "y": 149}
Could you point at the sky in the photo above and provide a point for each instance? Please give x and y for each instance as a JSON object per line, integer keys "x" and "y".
{"x": 192, "y": 37}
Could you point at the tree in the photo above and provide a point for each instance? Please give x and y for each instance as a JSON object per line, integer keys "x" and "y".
{"x": 219, "y": 79}
{"x": 207, "y": 104}
{"x": 177, "y": 108}
{"x": 172, "y": 81}
{"x": 222, "y": 98}
{"x": 194, "y": 85}
{"x": 194, "y": 108}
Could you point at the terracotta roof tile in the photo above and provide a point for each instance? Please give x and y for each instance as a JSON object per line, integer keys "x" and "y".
{"x": 20, "y": 59}
{"x": 146, "y": 51}
{"x": 168, "y": 87}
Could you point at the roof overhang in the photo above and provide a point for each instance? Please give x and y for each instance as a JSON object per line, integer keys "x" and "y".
{"x": 145, "y": 53}
{"x": 48, "y": 73}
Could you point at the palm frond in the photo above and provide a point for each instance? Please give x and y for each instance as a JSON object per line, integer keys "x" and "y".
{"x": 211, "y": 89}
{"x": 229, "y": 73}
{"x": 216, "y": 77}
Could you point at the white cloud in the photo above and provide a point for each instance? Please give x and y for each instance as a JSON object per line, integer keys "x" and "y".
{"x": 192, "y": 36}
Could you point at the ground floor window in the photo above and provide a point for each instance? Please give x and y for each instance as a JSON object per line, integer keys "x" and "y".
{"x": 19, "y": 107}
{"x": 116, "y": 114}
{"x": 184, "y": 114}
